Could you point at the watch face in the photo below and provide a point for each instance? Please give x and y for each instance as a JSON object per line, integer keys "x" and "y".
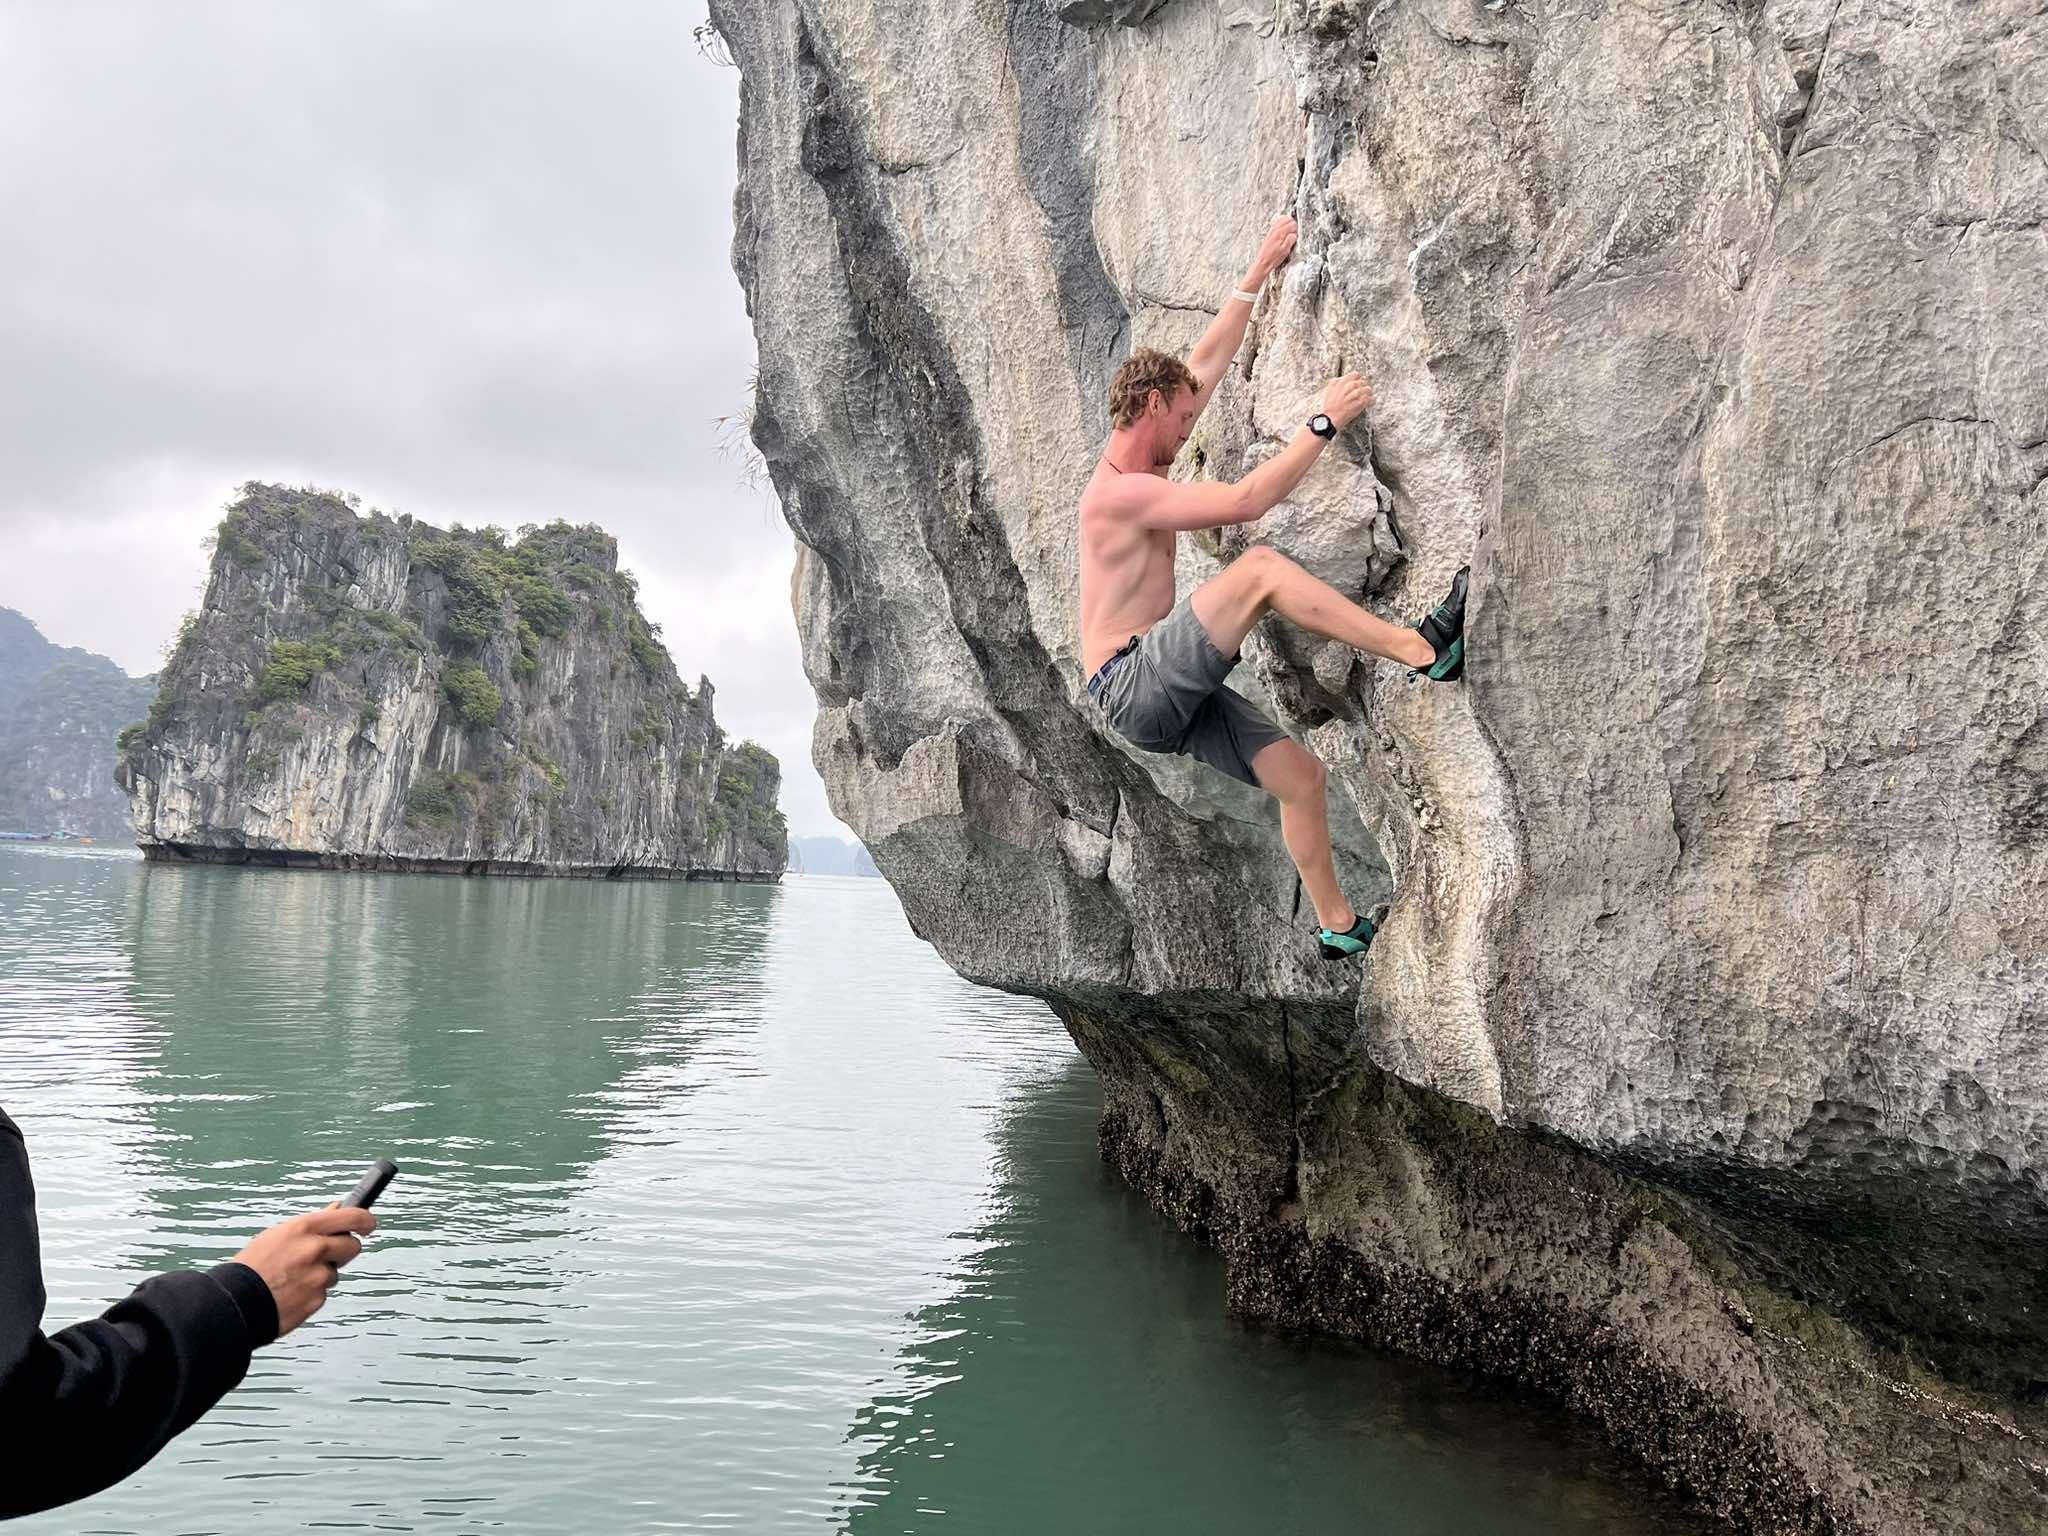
{"x": 1321, "y": 425}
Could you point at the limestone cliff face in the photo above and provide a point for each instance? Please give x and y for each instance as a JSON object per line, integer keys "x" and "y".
{"x": 372, "y": 692}
{"x": 1701, "y": 1072}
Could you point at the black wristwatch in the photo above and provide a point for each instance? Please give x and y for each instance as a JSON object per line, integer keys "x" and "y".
{"x": 1322, "y": 426}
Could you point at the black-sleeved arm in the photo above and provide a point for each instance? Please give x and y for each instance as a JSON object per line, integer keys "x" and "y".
{"x": 82, "y": 1409}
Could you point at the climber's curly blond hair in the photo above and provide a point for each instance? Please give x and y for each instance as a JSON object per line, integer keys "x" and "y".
{"x": 1142, "y": 372}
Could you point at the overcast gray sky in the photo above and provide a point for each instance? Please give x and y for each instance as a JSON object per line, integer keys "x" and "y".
{"x": 469, "y": 261}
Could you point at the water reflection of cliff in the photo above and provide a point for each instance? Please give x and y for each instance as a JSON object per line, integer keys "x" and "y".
{"x": 470, "y": 1029}
{"x": 1082, "y": 1377}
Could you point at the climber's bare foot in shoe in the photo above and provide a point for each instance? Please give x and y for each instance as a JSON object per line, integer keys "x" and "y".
{"x": 1355, "y": 939}
{"x": 1443, "y": 632}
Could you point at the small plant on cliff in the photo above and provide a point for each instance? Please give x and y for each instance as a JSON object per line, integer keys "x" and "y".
{"x": 476, "y": 698}
{"x": 367, "y": 628}
{"x": 231, "y": 538}
{"x": 652, "y": 730}
{"x": 476, "y": 595}
{"x": 767, "y": 825}
{"x": 711, "y": 43}
{"x": 477, "y": 605}
{"x": 432, "y": 800}
{"x": 733, "y": 438}
{"x": 188, "y": 628}
{"x": 542, "y": 606}
{"x": 527, "y": 661}
{"x": 550, "y": 770}
{"x": 292, "y": 667}
{"x": 644, "y": 639}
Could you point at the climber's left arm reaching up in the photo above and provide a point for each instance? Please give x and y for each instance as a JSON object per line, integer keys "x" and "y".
{"x": 1212, "y": 356}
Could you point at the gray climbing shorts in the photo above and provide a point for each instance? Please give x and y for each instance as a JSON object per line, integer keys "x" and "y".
{"x": 1164, "y": 692}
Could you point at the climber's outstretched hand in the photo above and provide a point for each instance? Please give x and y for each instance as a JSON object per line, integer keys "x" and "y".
{"x": 1279, "y": 245}
{"x": 1345, "y": 399}
{"x": 1211, "y": 358}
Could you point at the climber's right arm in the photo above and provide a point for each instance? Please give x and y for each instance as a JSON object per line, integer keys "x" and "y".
{"x": 1187, "y": 505}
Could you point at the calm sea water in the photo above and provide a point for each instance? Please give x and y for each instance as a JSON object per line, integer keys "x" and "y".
{"x": 723, "y": 1209}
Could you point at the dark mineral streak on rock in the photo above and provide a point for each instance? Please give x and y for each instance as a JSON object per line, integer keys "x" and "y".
{"x": 1055, "y": 91}
{"x": 1104, "y": 13}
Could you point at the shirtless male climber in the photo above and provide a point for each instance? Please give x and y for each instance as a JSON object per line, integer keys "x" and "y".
{"x": 1155, "y": 668}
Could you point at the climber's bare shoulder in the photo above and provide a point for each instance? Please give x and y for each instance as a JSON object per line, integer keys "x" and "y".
{"x": 1122, "y": 506}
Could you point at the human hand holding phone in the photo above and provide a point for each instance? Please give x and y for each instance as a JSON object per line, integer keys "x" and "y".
{"x": 301, "y": 1259}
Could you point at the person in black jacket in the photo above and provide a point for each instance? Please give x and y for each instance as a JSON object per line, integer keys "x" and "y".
{"x": 84, "y": 1408}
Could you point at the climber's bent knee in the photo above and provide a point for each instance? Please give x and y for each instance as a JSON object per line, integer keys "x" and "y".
{"x": 1255, "y": 571}
{"x": 1237, "y": 597}
{"x": 1258, "y": 562}
{"x": 1289, "y": 771}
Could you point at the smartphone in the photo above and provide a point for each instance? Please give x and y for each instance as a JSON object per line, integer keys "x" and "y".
{"x": 371, "y": 1185}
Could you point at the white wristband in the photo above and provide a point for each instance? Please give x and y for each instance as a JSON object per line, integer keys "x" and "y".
{"x": 1249, "y": 298}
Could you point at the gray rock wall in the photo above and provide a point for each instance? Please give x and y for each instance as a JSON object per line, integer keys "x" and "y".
{"x": 374, "y": 693}
{"x": 1709, "y": 1019}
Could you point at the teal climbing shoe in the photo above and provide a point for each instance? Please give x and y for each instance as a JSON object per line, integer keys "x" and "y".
{"x": 1444, "y": 629}
{"x": 1354, "y": 940}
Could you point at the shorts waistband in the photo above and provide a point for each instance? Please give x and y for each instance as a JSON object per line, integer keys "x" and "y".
{"x": 1102, "y": 672}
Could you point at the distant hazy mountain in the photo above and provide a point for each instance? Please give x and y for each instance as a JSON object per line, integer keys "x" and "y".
{"x": 829, "y": 856}
{"x": 61, "y": 710}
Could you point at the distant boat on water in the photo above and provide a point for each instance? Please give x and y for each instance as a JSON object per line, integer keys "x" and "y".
{"x": 43, "y": 837}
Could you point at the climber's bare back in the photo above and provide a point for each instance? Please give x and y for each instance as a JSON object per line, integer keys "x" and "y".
{"x": 1126, "y": 568}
